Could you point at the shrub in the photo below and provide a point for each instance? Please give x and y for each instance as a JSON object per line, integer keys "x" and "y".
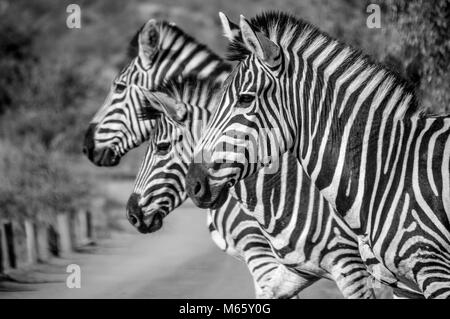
{"x": 36, "y": 183}
{"x": 42, "y": 89}
{"x": 424, "y": 39}
{"x": 50, "y": 107}
{"x": 17, "y": 58}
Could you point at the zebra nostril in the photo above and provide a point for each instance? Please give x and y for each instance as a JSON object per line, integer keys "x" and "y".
{"x": 85, "y": 150}
{"x": 133, "y": 220}
{"x": 134, "y": 212}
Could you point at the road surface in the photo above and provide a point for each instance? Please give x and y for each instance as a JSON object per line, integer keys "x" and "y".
{"x": 179, "y": 261}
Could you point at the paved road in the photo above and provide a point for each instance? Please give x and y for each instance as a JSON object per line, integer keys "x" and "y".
{"x": 179, "y": 261}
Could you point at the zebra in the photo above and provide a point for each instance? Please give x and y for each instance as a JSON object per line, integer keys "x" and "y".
{"x": 149, "y": 204}
{"x": 357, "y": 131}
{"x": 116, "y": 129}
{"x": 159, "y": 51}
{"x": 322, "y": 243}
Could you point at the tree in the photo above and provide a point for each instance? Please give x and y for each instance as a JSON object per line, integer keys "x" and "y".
{"x": 423, "y": 28}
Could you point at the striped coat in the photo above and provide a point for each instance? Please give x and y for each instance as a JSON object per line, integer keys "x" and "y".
{"x": 312, "y": 244}
{"x": 358, "y": 133}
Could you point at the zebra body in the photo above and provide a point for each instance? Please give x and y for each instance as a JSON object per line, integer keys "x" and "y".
{"x": 314, "y": 243}
{"x": 357, "y": 132}
{"x": 238, "y": 234}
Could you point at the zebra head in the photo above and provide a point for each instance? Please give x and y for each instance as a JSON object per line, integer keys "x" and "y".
{"x": 160, "y": 187}
{"x": 115, "y": 128}
{"x": 161, "y": 51}
{"x": 246, "y": 132}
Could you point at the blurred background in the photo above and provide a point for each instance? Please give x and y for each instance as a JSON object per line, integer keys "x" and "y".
{"x": 52, "y": 81}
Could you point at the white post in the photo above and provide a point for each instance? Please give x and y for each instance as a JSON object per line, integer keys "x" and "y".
{"x": 30, "y": 241}
{"x": 99, "y": 220}
{"x": 82, "y": 226}
{"x": 65, "y": 240}
{"x": 43, "y": 249}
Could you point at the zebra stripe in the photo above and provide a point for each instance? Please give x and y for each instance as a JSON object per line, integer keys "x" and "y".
{"x": 319, "y": 243}
{"x": 160, "y": 185}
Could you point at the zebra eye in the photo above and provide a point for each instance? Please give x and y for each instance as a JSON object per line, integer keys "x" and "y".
{"x": 245, "y": 99}
{"x": 163, "y": 148}
{"x": 120, "y": 87}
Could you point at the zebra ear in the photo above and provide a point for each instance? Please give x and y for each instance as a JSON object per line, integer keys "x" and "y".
{"x": 230, "y": 30}
{"x": 148, "y": 43}
{"x": 168, "y": 106}
{"x": 264, "y": 48}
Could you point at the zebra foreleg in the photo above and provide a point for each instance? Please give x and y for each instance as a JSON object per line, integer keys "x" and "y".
{"x": 354, "y": 284}
{"x": 283, "y": 283}
{"x": 433, "y": 278}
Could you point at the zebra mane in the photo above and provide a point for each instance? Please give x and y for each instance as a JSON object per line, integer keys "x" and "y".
{"x": 188, "y": 89}
{"x": 273, "y": 24}
{"x": 282, "y": 27}
{"x": 133, "y": 46}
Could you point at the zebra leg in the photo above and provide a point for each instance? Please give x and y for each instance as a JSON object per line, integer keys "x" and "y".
{"x": 284, "y": 283}
{"x": 272, "y": 279}
{"x": 353, "y": 283}
{"x": 433, "y": 277}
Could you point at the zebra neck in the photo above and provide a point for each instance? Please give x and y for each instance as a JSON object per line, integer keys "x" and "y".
{"x": 343, "y": 113}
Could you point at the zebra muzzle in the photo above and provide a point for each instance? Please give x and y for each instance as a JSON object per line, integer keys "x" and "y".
{"x": 155, "y": 221}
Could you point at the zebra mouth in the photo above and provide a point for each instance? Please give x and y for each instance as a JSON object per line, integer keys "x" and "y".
{"x": 152, "y": 222}
{"x": 145, "y": 222}
{"x": 103, "y": 156}
{"x": 107, "y": 157}
{"x": 213, "y": 198}
{"x": 200, "y": 190}
{"x": 220, "y": 199}
{"x": 100, "y": 156}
